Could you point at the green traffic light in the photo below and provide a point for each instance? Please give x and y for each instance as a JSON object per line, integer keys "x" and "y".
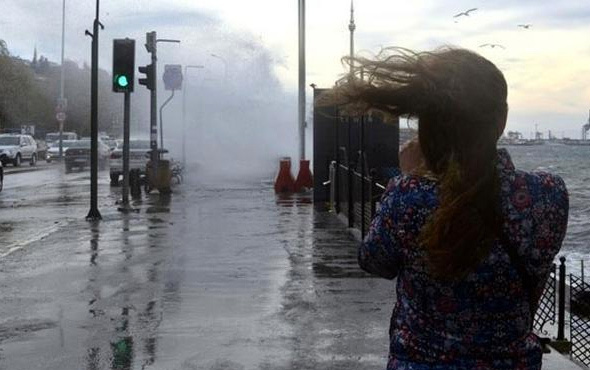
{"x": 122, "y": 81}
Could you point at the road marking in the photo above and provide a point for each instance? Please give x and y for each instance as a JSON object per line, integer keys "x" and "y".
{"x": 40, "y": 235}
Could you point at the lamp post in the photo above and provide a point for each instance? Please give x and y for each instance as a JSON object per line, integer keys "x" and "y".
{"x": 186, "y": 68}
{"x": 301, "y": 100}
{"x": 62, "y": 78}
{"x": 224, "y": 65}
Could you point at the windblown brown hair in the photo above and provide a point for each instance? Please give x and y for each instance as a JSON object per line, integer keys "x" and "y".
{"x": 459, "y": 98}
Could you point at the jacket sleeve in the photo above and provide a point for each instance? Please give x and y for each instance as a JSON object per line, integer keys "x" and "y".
{"x": 380, "y": 253}
{"x": 550, "y": 215}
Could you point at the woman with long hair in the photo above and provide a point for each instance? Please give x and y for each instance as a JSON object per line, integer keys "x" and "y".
{"x": 470, "y": 239}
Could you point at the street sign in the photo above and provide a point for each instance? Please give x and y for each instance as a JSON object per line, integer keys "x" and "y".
{"x": 60, "y": 116}
{"x": 172, "y": 77}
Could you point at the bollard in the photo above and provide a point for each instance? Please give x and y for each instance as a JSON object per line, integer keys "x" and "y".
{"x": 284, "y": 183}
{"x": 561, "y": 305}
{"x": 135, "y": 183}
{"x": 304, "y": 177}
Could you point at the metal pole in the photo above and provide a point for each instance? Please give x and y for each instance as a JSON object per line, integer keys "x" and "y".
{"x": 62, "y": 78}
{"x": 362, "y": 159}
{"x": 337, "y": 155}
{"x": 301, "y": 79}
{"x": 161, "y": 120}
{"x": 224, "y": 65}
{"x": 94, "y": 214}
{"x": 183, "y": 134}
{"x": 154, "y": 110}
{"x": 126, "y": 129}
{"x": 350, "y": 182}
{"x": 351, "y": 28}
{"x": 561, "y": 304}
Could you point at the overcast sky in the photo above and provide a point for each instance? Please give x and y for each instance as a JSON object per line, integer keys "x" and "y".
{"x": 547, "y": 66}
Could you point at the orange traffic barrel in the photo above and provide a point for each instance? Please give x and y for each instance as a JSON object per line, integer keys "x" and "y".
{"x": 304, "y": 178}
{"x": 284, "y": 183}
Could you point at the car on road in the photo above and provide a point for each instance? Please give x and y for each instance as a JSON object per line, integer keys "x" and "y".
{"x": 78, "y": 155}
{"x": 52, "y": 137}
{"x": 53, "y": 149}
{"x": 138, "y": 158}
{"x": 15, "y": 149}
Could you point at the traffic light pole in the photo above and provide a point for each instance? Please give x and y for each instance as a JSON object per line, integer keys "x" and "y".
{"x": 161, "y": 119}
{"x": 94, "y": 214}
{"x": 126, "y": 129}
{"x": 154, "y": 109}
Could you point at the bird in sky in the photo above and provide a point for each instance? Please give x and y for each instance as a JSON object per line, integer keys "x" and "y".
{"x": 492, "y": 46}
{"x": 465, "y": 13}
{"x": 525, "y": 26}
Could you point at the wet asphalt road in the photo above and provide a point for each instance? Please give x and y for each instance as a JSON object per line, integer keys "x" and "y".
{"x": 214, "y": 277}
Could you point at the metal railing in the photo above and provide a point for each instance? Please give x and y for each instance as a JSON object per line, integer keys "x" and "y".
{"x": 580, "y": 319}
{"x": 354, "y": 195}
{"x": 547, "y": 303}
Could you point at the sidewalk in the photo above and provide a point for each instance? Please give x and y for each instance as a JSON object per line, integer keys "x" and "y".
{"x": 557, "y": 361}
{"x": 211, "y": 278}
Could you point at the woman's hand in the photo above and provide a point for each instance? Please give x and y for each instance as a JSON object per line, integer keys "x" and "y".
{"x": 411, "y": 157}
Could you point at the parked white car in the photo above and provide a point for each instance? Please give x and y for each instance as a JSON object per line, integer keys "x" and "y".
{"x": 138, "y": 158}
{"x": 15, "y": 149}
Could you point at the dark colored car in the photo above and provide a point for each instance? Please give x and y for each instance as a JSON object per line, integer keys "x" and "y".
{"x": 78, "y": 155}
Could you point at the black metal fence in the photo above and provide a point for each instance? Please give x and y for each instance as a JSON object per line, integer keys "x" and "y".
{"x": 580, "y": 319}
{"x": 355, "y": 195}
{"x": 546, "y": 309}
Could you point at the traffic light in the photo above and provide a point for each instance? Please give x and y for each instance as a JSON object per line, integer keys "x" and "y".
{"x": 123, "y": 65}
{"x": 149, "y": 79}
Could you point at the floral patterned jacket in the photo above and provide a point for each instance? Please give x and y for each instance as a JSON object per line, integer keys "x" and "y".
{"x": 482, "y": 321}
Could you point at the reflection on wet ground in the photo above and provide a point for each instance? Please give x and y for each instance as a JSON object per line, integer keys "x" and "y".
{"x": 212, "y": 278}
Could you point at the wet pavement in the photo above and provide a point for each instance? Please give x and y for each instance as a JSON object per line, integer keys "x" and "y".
{"x": 213, "y": 277}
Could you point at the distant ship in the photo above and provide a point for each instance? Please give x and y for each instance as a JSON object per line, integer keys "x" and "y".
{"x": 576, "y": 142}
{"x": 518, "y": 141}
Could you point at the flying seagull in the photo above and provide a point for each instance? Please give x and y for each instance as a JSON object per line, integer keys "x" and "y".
{"x": 492, "y": 46}
{"x": 465, "y": 13}
{"x": 525, "y": 26}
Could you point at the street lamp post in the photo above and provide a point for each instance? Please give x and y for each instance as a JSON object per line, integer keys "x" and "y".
{"x": 224, "y": 65}
{"x": 184, "y": 111}
{"x": 62, "y": 78}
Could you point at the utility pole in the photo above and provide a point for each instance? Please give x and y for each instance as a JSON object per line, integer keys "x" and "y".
{"x": 301, "y": 79}
{"x": 94, "y": 214}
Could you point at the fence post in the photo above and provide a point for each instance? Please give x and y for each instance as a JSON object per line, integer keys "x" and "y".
{"x": 582, "y": 268}
{"x": 561, "y": 306}
{"x": 350, "y": 197}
